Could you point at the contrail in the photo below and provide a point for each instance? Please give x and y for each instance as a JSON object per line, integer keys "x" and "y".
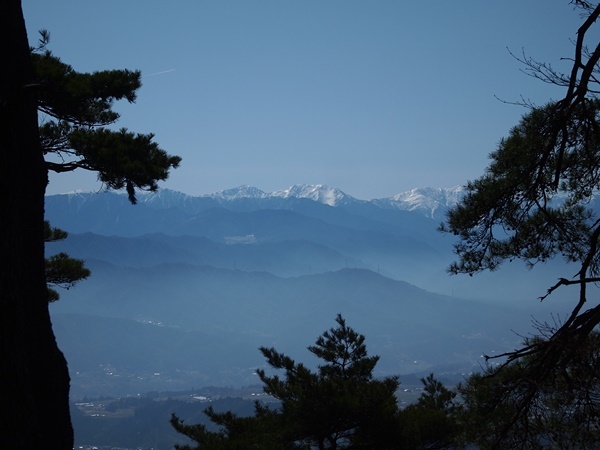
{"x": 160, "y": 73}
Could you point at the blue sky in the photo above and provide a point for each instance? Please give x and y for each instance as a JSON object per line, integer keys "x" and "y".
{"x": 373, "y": 97}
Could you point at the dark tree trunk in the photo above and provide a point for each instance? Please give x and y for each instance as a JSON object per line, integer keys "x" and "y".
{"x": 34, "y": 376}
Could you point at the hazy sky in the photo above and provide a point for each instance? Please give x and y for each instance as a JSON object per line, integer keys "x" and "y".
{"x": 374, "y": 97}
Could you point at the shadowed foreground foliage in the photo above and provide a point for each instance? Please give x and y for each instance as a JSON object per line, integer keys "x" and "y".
{"x": 340, "y": 406}
{"x": 70, "y": 132}
{"x": 536, "y": 201}
{"x": 512, "y": 407}
{"x": 61, "y": 270}
{"x": 76, "y": 111}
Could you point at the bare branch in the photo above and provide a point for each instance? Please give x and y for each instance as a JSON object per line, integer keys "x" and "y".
{"x": 565, "y": 282}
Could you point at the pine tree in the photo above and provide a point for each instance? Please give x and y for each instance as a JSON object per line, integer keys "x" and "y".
{"x": 77, "y": 108}
{"x": 34, "y": 371}
{"x": 535, "y": 202}
{"x": 433, "y": 422}
{"x": 562, "y": 409}
{"x": 61, "y": 270}
{"x": 341, "y": 405}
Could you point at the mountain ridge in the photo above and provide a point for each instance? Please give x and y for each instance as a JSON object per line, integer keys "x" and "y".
{"x": 428, "y": 201}
{"x": 245, "y": 269}
{"x": 203, "y": 322}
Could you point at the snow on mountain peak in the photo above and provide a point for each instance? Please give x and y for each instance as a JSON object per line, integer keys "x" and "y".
{"x": 317, "y": 192}
{"x": 431, "y": 201}
{"x": 428, "y": 201}
{"x": 431, "y": 195}
{"x": 243, "y": 191}
{"x": 164, "y": 198}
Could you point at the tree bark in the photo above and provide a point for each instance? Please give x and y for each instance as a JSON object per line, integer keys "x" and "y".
{"x": 34, "y": 373}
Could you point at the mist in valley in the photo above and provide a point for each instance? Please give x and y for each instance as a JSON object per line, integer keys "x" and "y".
{"x": 185, "y": 289}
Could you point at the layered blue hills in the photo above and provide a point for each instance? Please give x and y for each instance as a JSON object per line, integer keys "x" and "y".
{"x": 185, "y": 289}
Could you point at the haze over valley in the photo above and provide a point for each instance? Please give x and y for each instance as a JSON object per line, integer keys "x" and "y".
{"x": 184, "y": 289}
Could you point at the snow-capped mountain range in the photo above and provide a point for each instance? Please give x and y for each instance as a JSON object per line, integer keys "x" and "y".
{"x": 431, "y": 202}
{"x": 317, "y": 192}
{"x": 246, "y": 268}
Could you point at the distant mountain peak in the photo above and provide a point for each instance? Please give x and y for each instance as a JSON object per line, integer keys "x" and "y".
{"x": 317, "y": 192}
{"x": 432, "y": 202}
{"x": 431, "y": 196}
{"x": 243, "y": 191}
{"x": 428, "y": 201}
